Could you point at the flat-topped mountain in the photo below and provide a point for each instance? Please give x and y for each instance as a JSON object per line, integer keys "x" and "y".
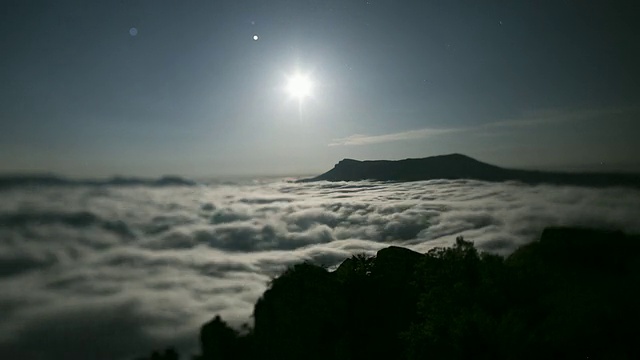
{"x": 458, "y": 166}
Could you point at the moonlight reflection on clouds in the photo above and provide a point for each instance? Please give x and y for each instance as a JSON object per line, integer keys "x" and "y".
{"x": 171, "y": 257}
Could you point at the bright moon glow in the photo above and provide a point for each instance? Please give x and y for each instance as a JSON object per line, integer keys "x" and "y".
{"x": 299, "y": 86}
{"x": 255, "y": 37}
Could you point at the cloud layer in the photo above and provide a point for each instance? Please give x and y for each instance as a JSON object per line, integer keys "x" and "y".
{"x": 150, "y": 265}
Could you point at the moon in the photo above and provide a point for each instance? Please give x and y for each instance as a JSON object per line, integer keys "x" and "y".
{"x": 299, "y": 86}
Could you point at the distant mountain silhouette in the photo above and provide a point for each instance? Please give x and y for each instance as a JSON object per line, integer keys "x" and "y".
{"x": 458, "y": 166}
{"x": 12, "y": 181}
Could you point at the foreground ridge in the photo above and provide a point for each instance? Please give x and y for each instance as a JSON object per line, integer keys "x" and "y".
{"x": 569, "y": 295}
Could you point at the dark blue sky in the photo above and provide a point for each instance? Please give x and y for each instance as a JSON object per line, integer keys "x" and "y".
{"x": 516, "y": 83}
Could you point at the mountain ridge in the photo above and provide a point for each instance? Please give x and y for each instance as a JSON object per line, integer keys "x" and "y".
{"x": 458, "y": 166}
{"x": 44, "y": 180}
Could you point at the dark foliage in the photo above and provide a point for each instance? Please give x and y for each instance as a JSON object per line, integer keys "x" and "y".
{"x": 571, "y": 295}
{"x": 168, "y": 354}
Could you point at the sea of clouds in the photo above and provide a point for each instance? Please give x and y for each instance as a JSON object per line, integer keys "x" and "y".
{"x": 108, "y": 272}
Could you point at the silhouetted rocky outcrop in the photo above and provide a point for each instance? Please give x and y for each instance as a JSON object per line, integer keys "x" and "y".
{"x": 168, "y": 354}
{"x": 218, "y": 340}
{"x": 457, "y": 166}
{"x": 570, "y": 295}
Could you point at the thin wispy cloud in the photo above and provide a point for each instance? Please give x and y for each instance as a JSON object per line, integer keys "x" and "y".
{"x": 555, "y": 116}
{"x": 546, "y": 117}
{"x": 361, "y": 139}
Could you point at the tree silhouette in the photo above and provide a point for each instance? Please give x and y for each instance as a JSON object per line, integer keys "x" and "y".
{"x": 168, "y": 354}
{"x": 299, "y": 315}
{"x": 218, "y": 341}
{"x": 570, "y": 295}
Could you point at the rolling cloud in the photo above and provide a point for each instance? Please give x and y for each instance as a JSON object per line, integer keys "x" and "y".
{"x": 79, "y": 264}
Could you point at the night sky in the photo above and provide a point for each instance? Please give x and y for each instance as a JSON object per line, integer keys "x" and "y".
{"x": 201, "y": 88}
